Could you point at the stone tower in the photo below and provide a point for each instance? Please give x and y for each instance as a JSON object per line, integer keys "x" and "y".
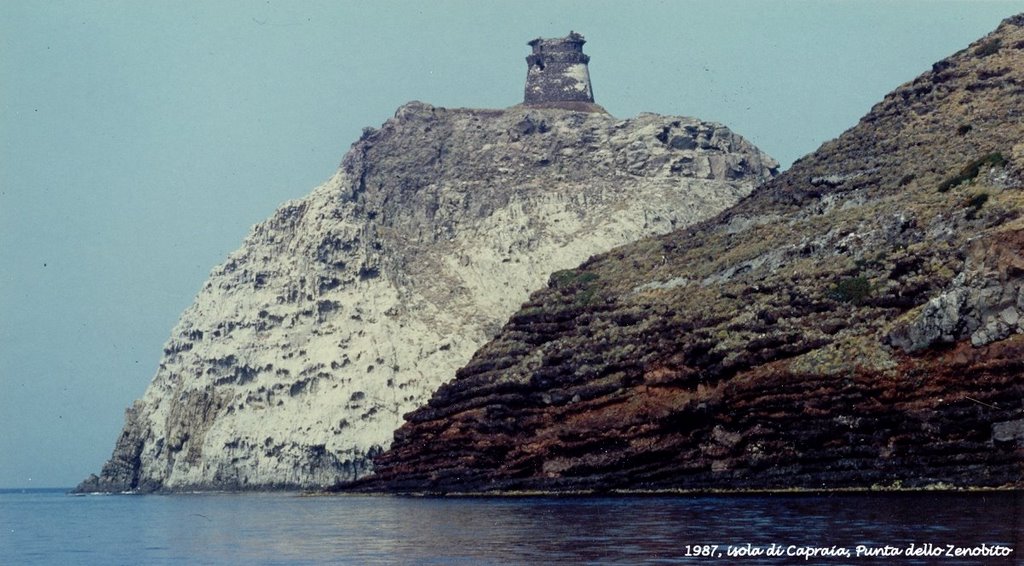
{"x": 558, "y": 72}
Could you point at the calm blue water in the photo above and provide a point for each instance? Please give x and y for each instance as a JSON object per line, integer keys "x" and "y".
{"x": 48, "y": 527}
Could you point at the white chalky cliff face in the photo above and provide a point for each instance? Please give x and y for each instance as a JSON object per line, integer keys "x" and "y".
{"x": 347, "y": 308}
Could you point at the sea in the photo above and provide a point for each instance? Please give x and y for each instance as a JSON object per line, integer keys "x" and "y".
{"x": 48, "y": 526}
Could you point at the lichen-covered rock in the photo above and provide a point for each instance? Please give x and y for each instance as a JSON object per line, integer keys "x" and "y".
{"x": 983, "y": 302}
{"x": 348, "y": 307}
{"x": 851, "y": 324}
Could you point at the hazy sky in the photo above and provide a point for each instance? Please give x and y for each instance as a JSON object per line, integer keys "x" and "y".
{"x": 139, "y": 141}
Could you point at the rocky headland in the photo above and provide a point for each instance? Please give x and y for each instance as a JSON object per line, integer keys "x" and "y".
{"x": 347, "y": 308}
{"x": 855, "y": 323}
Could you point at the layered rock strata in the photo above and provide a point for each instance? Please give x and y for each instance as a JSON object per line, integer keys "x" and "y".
{"x": 348, "y": 307}
{"x": 855, "y": 323}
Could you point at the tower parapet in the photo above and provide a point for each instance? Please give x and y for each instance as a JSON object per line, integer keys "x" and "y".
{"x": 557, "y": 72}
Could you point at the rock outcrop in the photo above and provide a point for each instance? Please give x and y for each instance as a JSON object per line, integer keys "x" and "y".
{"x": 348, "y": 307}
{"x": 854, "y": 323}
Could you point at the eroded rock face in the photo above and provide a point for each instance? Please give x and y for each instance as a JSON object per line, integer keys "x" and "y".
{"x": 983, "y": 303}
{"x": 347, "y": 308}
{"x": 853, "y": 323}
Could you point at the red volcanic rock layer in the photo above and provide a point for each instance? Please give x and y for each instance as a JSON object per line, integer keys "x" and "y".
{"x": 855, "y": 323}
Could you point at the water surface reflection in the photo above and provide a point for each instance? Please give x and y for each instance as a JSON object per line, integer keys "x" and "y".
{"x": 286, "y": 528}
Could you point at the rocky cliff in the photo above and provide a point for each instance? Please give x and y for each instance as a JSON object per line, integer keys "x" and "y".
{"x": 348, "y": 307}
{"x": 856, "y": 322}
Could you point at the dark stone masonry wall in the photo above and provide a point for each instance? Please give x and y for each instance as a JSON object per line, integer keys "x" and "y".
{"x": 557, "y": 71}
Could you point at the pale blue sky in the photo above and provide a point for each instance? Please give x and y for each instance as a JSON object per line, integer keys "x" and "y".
{"x": 139, "y": 141}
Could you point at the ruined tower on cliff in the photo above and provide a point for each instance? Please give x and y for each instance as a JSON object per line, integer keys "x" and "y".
{"x": 557, "y": 72}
